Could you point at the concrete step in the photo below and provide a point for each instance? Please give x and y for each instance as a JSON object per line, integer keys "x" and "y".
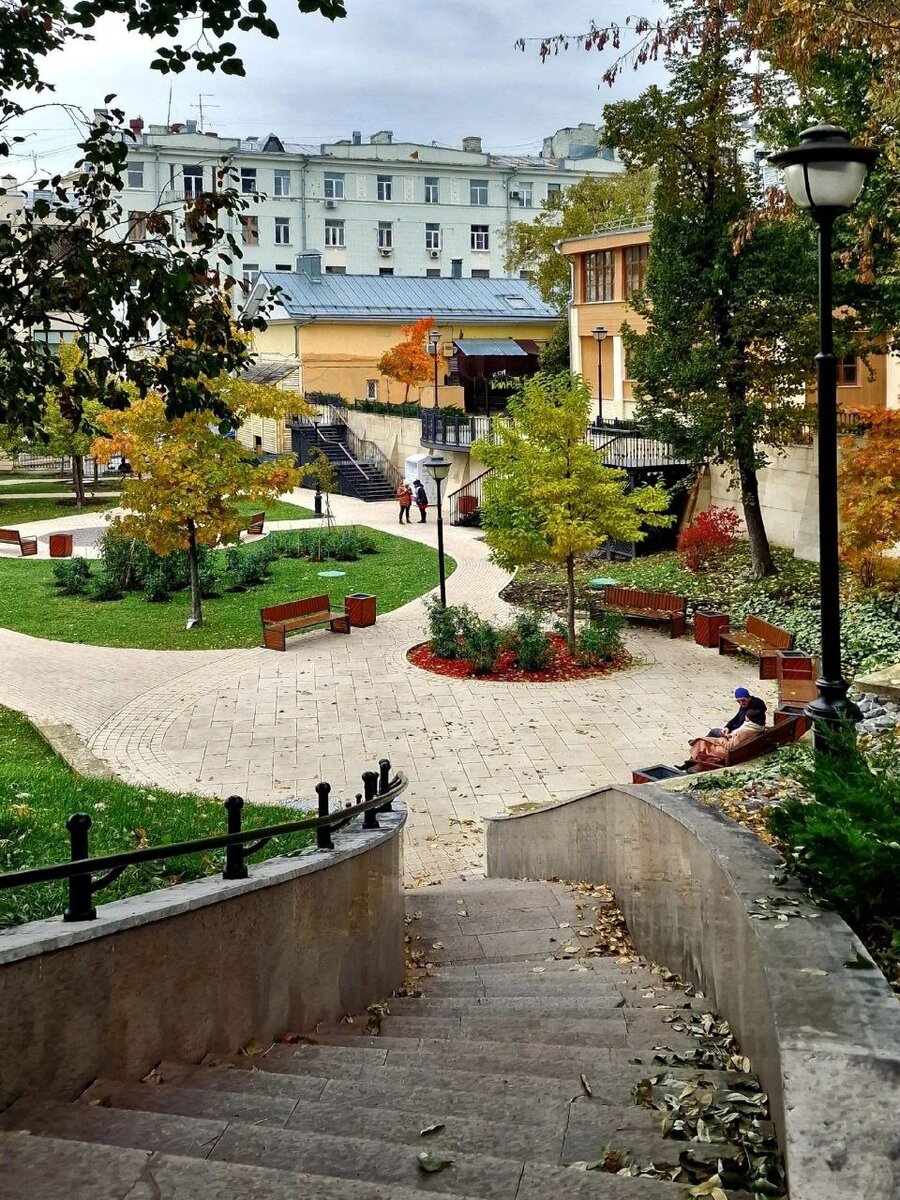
{"x": 597, "y": 1003}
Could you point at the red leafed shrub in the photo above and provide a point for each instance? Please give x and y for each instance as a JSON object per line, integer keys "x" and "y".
{"x": 707, "y": 538}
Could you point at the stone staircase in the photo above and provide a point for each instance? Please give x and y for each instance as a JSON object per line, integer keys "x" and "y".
{"x": 359, "y": 479}
{"x": 517, "y": 1060}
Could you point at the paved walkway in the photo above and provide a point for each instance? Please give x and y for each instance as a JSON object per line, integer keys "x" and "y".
{"x": 268, "y": 726}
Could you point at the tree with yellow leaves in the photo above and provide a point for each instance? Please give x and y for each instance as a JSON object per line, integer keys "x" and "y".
{"x": 870, "y": 495}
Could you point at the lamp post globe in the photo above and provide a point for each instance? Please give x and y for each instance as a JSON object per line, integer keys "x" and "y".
{"x": 824, "y": 176}
{"x": 438, "y": 468}
{"x": 599, "y": 335}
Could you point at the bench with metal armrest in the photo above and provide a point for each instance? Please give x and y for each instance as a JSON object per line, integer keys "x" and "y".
{"x": 279, "y": 621}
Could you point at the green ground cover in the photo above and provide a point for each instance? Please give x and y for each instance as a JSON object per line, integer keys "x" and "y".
{"x": 23, "y": 509}
{"x": 31, "y": 486}
{"x": 275, "y": 510}
{"x": 39, "y": 791}
{"x": 29, "y": 602}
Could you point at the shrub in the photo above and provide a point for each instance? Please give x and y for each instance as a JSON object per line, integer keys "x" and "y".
{"x": 246, "y": 568}
{"x": 156, "y": 588}
{"x": 600, "y": 640}
{"x": 104, "y": 586}
{"x": 707, "y": 539}
{"x": 209, "y": 578}
{"x": 447, "y": 626}
{"x": 345, "y": 546}
{"x": 528, "y": 642}
{"x": 72, "y": 576}
{"x": 480, "y": 644}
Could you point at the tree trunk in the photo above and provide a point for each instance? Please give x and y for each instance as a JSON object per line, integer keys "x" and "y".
{"x": 78, "y": 479}
{"x": 760, "y": 552}
{"x": 96, "y": 470}
{"x": 196, "y": 609}
{"x": 570, "y": 604}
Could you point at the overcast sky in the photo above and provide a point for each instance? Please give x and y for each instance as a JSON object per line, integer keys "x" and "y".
{"x": 430, "y": 70}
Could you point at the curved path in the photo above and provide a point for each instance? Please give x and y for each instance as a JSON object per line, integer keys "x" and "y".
{"x": 268, "y": 726}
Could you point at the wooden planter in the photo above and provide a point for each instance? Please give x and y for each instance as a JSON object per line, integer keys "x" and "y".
{"x": 467, "y": 505}
{"x": 707, "y": 627}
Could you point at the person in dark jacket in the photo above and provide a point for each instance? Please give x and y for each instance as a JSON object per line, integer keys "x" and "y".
{"x": 421, "y": 499}
{"x": 745, "y": 701}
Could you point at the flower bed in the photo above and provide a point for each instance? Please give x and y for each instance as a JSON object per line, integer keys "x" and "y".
{"x": 561, "y": 667}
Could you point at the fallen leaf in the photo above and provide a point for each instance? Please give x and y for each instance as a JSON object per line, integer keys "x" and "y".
{"x": 432, "y": 1128}
{"x": 251, "y": 1048}
{"x": 586, "y": 1085}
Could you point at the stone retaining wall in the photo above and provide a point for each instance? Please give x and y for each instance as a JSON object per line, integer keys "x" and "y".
{"x": 824, "y": 1040}
{"x": 203, "y": 967}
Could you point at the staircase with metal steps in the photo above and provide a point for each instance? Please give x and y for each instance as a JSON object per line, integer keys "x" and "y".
{"x": 360, "y": 479}
{"x": 511, "y": 1066}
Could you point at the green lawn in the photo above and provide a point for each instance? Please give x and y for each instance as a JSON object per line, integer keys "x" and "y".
{"x": 31, "y": 487}
{"x": 20, "y": 510}
{"x": 39, "y": 791}
{"x": 275, "y": 510}
{"x": 29, "y": 603}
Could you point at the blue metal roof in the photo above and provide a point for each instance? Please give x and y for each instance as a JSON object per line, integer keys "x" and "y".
{"x": 403, "y": 297}
{"x": 490, "y": 347}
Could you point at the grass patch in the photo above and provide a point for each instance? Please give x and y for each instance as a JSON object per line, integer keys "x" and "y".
{"x": 19, "y": 511}
{"x": 39, "y": 791}
{"x": 30, "y": 487}
{"x": 400, "y": 571}
{"x": 275, "y": 510}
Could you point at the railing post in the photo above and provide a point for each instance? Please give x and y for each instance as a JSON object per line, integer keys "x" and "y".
{"x": 323, "y": 833}
{"x": 384, "y": 782}
{"x": 80, "y": 893}
{"x": 370, "y": 787}
{"x": 235, "y": 867}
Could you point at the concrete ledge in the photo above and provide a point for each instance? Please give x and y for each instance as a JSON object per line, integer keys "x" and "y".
{"x": 204, "y": 966}
{"x": 824, "y": 1040}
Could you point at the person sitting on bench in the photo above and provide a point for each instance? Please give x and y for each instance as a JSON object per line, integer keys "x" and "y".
{"x": 744, "y": 700}
{"x": 715, "y": 749}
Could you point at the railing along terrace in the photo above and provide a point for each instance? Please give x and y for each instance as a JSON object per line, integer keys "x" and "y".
{"x": 454, "y": 431}
{"x": 378, "y": 794}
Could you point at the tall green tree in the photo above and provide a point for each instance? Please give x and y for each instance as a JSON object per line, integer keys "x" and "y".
{"x": 549, "y": 497}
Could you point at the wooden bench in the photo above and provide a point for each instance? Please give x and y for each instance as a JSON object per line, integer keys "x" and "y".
{"x": 661, "y": 607}
{"x": 279, "y": 620}
{"x": 12, "y": 537}
{"x": 256, "y": 523}
{"x": 790, "y": 730}
{"x": 761, "y": 640}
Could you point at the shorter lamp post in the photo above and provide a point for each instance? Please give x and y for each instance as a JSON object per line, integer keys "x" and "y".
{"x": 824, "y": 175}
{"x": 438, "y": 468}
{"x": 599, "y": 336}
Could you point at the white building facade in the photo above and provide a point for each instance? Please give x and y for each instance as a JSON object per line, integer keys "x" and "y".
{"x": 380, "y": 207}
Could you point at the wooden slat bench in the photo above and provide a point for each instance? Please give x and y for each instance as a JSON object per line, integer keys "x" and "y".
{"x": 280, "y": 620}
{"x": 12, "y": 537}
{"x": 256, "y": 523}
{"x": 776, "y": 735}
{"x": 761, "y": 640}
{"x": 661, "y": 607}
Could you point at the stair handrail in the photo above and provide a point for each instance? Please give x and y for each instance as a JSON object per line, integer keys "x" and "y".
{"x": 471, "y": 488}
{"x": 379, "y": 792}
{"x": 366, "y": 450}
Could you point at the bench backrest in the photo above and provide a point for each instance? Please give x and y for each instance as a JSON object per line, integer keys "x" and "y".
{"x": 775, "y": 736}
{"x": 779, "y": 638}
{"x": 256, "y": 521}
{"x": 310, "y": 607}
{"x": 637, "y": 598}
{"x": 11, "y": 535}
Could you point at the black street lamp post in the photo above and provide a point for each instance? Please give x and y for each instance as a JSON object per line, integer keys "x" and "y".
{"x": 824, "y": 175}
{"x": 599, "y": 336}
{"x": 439, "y": 468}
{"x": 434, "y": 340}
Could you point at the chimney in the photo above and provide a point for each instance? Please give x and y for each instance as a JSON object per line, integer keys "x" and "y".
{"x": 176, "y": 128}
{"x": 383, "y": 137}
{"x": 309, "y": 265}
{"x": 472, "y": 145}
{"x": 456, "y": 268}
{"x": 191, "y": 126}
{"x": 136, "y": 125}
{"x": 357, "y": 137}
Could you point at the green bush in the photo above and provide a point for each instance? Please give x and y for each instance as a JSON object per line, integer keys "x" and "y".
{"x": 209, "y": 578}
{"x": 447, "y": 626}
{"x": 104, "y": 586}
{"x": 480, "y": 644}
{"x": 156, "y": 588}
{"x": 599, "y": 641}
{"x": 72, "y": 576}
{"x": 528, "y": 642}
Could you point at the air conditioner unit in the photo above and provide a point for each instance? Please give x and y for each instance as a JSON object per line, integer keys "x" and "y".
{"x": 434, "y": 254}
{"x": 515, "y": 195}
{"x": 385, "y": 251}
{"x": 329, "y": 203}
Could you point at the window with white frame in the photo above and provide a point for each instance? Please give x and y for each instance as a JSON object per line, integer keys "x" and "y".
{"x": 371, "y": 389}
{"x": 248, "y": 180}
{"x": 282, "y": 231}
{"x": 334, "y": 233}
{"x": 135, "y": 174}
{"x": 250, "y": 231}
{"x": 385, "y": 235}
{"x": 385, "y": 187}
{"x": 478, "y": 191}
{"x": 432, "y": 190}
{"x": 250, "y": 272}
{"x": 526, "y": 195}
{"x": 282, "y": 183}
{"x": 193, "y": 181}
{"x": 553, "y": 189}
{"x": 432, "y": 237}
{"x": 334, "y": 185}
{"x": 480, "y": 237}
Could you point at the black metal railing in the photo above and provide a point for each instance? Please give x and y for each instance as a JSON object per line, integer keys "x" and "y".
{"x": 378, "y": 794}
{"x": 465, "y": 502}
{"x": 453, "y": 431}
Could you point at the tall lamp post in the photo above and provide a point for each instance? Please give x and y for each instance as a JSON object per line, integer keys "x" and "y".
{"x": 824, "y": 175}
{"x": 599, "y": 336}
{"x": 438, "y": 468}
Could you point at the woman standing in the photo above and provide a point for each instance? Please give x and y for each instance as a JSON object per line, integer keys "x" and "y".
{"x": 404, "y": 499}
{"x": 421, "y": 500}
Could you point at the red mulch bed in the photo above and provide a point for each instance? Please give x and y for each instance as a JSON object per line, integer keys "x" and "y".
{"x": 562, "y": 666}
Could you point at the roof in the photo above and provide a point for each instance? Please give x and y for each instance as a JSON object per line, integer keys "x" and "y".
{"x": 267, "y": 369}
{"x": 506, "y": 347}
{"x": 403, "y": 297}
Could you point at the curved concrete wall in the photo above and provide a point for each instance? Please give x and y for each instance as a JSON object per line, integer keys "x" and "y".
{"x": 203, "y": 967}
{"x": 824, "y": 1040}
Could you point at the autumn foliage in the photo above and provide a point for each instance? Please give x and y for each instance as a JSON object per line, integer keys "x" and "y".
{"x": 870, "y": 495}
{"x": 409, "y": 362}
{"x": 703, "y": 543}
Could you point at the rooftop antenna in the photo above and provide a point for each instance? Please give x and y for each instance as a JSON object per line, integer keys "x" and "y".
{"x": 200, "y": 106}
{"x": 169, "y": 109}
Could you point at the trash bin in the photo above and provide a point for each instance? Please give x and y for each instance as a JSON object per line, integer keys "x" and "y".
{"x": 708, "y": 625}
{"x": 360, "y": 608}
{"x": 60, "y": 545}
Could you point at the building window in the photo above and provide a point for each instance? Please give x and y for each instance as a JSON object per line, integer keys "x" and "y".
{"x": 528, "y": 276}
{"x": 432, "y": 272}
{"x": 282, "y": 183}
{"x": 135, "y": 174}
{"x": 848, "y": 371}
{"x": 282, "y": 231}
{"x": 480, "y": 238}
{"x": 432, "y": 237}
{"x": 193, "y": 181}
{"x": 481, "y": 274}
{"x": 385, "y": 270}
{"x": 526, "y": 195}
{"x": 599, "y": 275}
{"x": 371, "y": 389}
{"x": 282, "y": 266}
{"x": 635, "y": 268}
{"x": 335, "y": 270}
{"x": 250, "y": 231}
{"x": 385, "y": 235}
{"x": 250, "y": 273}
{"x": 334, "y": 185}
{"x": 385, "y": 187}
{"x": 137, "y": 226}
{"x": 478, "y": 191}
{"x": 553, "y": 189}
{"x": 432, "y": 190}
{"x": 334, "y": 233}
{"x": 248, "y": 180}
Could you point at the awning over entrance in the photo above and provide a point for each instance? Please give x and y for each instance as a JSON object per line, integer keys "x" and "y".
{"x": 269, "y": 370}
{"x": 489, "y": 347}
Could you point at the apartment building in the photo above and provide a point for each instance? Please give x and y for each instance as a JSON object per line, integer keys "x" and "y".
{"x": 373, "y": 208}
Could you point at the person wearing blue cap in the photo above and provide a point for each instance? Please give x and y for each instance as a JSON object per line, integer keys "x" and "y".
{"x": 744, "y": 699}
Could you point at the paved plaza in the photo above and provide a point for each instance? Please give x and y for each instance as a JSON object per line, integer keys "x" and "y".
{"x": 268, "y": 726}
